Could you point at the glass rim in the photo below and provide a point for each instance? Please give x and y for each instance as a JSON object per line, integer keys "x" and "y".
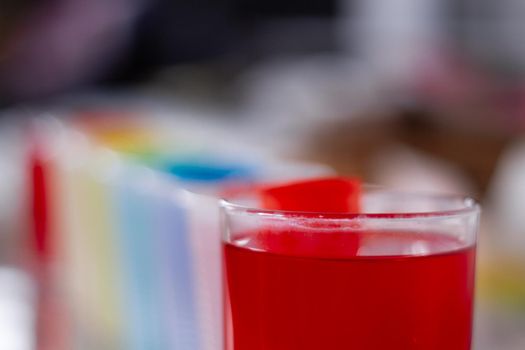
{"x": 468, "y": 205}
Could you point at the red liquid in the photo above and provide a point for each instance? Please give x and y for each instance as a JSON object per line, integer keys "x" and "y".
{"x": 330, "y": 291}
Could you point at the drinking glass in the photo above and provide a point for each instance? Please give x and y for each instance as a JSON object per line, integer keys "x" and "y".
{"x": 397, "y": 275}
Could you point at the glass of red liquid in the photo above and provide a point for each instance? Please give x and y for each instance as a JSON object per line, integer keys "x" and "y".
{"x": 397, "y": 275}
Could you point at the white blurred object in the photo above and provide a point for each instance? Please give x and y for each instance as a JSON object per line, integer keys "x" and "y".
{"x": 17, "y": 310}
{"x": 392, "y": 35}
{"x": 403, "y": 168}
{"x": 493, "y": 31}
{"x": 288, "y": 97}
{"x": 507, "y": 197}
{"x": 495, "y": 328}
{"x": 309, "y": 88}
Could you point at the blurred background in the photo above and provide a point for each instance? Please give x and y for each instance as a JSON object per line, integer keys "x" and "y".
{"x": 413, "y": 94}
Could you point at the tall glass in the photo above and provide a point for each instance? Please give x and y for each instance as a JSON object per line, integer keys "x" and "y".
{"x": 397, "y": 276}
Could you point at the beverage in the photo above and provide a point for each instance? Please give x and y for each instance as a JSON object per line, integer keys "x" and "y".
{"x": 298, "y": 288}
